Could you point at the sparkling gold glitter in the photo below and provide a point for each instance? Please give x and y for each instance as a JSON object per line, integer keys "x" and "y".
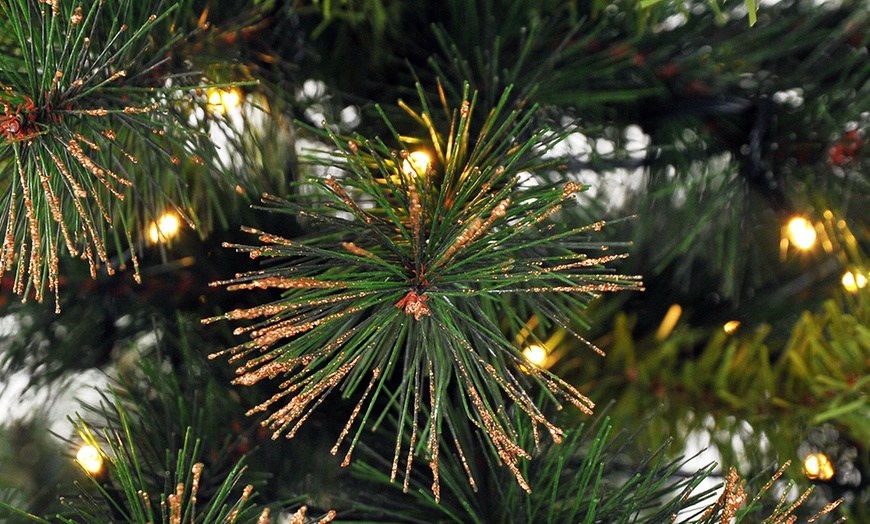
{"x": 55, "y": 8}
{"x": 299, "y": 517}
{"x": 132, "y": 110}
{"x": 7, "y": 256}
{"x": 434, "y": 416}
{"x": 194, "y": 488}
{"x": 94, "y": 112}
{"x": 413, "y": 443}
{"x": 339, "y": 191}
{"x": 356, "y": 250}
{"x": 35, "y": 240}
{"x": 283, "y": 417}
{"x": 827, "y": 509}
{"x": 76, "y": 151}
{"x": 375, "y": 374}
{"x": 466, "y": 236}
{"x": 572, "y": 187}
{"x": 415, "y": 213}
{"x": 465, "y": 464}
{"x": 175, "y": 500}
{"x": 145, "y": 498}
{"x": 414, "y": 304}
{"x": 286, "y": 283}
{"x": 246, "y": 494}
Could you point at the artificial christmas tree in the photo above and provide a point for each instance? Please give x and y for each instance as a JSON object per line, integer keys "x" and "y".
{"x": 415, "y": 230}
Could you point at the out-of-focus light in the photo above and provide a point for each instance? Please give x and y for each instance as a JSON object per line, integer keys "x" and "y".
{"x": 817, "y": 466}
{"x": 214, "y": 97}
{"x": 166, "y": 227}
{"x": 669, "y": 322}
{"x": 417, "y": 163}
{"x": 224, "y": 98}
{"x": 731, "y": 326}
{"x": 536, "y": 354}
{"x": 854, "y": 281}
{"x": 801, "y": 233}
{"x": 89, "y": 458}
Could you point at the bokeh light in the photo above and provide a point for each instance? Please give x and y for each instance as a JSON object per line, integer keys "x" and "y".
{"x": 801, "y": 233}
{"x": 417, "y": 163}
{"x": 536, "y": 354}
{"x": 817, "y": 466}
{"x": 165, "y": 228}
{"x": 89, "y": 458}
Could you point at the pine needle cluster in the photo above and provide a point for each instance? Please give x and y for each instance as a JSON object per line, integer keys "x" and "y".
{"x": 406, "y": 275}
{"x": 92, "y": 136}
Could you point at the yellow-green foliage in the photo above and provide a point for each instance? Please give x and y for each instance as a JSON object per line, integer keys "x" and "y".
{"x": 745, "y": 385}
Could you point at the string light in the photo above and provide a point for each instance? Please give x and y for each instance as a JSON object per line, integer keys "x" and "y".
{"x": 731, "y": 326}
{"x": 669, "y": 322}
{"x": 854, "y": 281}
{"x": 536, "y": 354}
{"x": 801, "y": 233}
{"x": 166, "y": 227}
{"x": 817, "y": 466}
{"x": 417, "y": 163}
{"x": 224, "y": 99}
{"x": 89, "y": 459}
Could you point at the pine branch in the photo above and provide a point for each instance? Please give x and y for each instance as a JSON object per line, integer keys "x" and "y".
{"x": 149, "y": 443}
{"x": 412, "y": 283}
{"x": 93, "y": 117}
{"x": 118, "y": 490}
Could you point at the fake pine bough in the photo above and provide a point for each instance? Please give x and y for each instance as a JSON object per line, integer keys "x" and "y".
{"x": 422, "y": 272}
{"x": 90, "y": 105}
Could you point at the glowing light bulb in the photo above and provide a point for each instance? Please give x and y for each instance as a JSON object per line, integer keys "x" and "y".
{"x": 214, "y": 97}
{"x": 731, "y": 326}
{"x": 817, "y": 466}
{"x": 536, "y": 354}
{"x": 89, "y": 458}
{"x": 854, "y": 281}
{"x": 801, "y": 233}
{"x": 224, "y": 99}
{"x": 166, "y": 227}
{"x": 417, "y": 163}
{"x": 231, "y": 98}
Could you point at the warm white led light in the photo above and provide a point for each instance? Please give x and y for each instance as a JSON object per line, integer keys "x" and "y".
{"x": 214, "y": 97}
{"x": 536, "y": 354}
{"x": 89, "y": 458}
{"x": 801, "y": 233}
{"x": 166, "y": 227}
{"x": 224, "y": 99}
{"x": 854, "y": 281}
{"x": 417, "y": 163}
{"x": 731, "y": 326}
{"x": 817, "y": 466}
